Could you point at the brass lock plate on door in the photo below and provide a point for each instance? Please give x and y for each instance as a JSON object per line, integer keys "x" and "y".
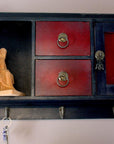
{"x": 99, "y": 55}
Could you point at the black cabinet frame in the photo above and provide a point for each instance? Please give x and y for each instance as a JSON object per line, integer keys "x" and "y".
{"x": 95, "y": 106}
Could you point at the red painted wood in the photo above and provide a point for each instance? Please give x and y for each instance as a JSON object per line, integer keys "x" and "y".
{"x": 79, "y": 72}
{"x": 109, "y": 52}
{"x": 78, "y": 35}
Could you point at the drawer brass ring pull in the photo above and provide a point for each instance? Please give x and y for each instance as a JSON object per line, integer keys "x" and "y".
{"x": 64, "y": 39}
{"x": 63, "y": 77}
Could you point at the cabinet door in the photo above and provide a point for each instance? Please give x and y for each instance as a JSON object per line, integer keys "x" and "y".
{"x": 104, "y": 41}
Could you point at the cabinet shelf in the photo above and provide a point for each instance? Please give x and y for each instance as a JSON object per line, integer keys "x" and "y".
{"x": 52, "y": 99}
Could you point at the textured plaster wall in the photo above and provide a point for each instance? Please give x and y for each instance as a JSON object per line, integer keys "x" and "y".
{"x": 67, "y": 6}
{"x": 61, "y": 132}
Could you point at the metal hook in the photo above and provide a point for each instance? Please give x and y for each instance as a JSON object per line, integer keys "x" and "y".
{"x": 6, "y": 112}
{"x": 6, "y": 120}
{"x": 61, "y": 112}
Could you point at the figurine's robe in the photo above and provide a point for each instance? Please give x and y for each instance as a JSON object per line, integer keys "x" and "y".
{"x": 6, "y": 78}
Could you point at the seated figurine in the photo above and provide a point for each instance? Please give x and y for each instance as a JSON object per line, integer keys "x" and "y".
{"x": 6, "y": 78}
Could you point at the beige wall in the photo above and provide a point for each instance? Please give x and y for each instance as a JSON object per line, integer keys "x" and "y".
{"x": 69, "y": 6}
{"x": 61, "y": 132}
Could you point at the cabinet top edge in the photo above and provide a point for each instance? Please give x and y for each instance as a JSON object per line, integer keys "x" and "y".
{"x": 60, "y": 15}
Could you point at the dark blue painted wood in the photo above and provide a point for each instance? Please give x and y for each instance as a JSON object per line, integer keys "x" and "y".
{"x": 33, "y": 61}
{"x": 92, "y": 58}
{"x": 34, "y": 15}
{"x": 108, "y": 27}
{"x": 99, "y": 45}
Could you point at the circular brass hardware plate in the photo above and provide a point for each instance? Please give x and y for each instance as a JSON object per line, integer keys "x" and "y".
{"x": 99, "y": 55}
{"x": 64, "y": 39}
{"x": 62, "y": 76}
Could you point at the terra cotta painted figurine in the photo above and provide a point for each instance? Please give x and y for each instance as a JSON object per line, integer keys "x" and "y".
{"x": 6, "y": 78}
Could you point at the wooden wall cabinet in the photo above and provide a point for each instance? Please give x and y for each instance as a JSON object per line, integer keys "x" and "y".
{"x": 52, "y": 58}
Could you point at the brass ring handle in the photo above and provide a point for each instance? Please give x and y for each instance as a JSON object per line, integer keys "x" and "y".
{"x": 62, "y": 38}
{"x": 62, "y": 77}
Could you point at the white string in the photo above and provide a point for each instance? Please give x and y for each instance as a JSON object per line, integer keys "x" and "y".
{"x": 6, "y": 122}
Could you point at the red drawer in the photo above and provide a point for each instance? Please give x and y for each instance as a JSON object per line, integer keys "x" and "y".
{"x": 47, "y": 77}
{"x": 78, "y": 38}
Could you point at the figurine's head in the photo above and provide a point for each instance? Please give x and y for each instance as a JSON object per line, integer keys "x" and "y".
{"x": 3, "y": 53}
